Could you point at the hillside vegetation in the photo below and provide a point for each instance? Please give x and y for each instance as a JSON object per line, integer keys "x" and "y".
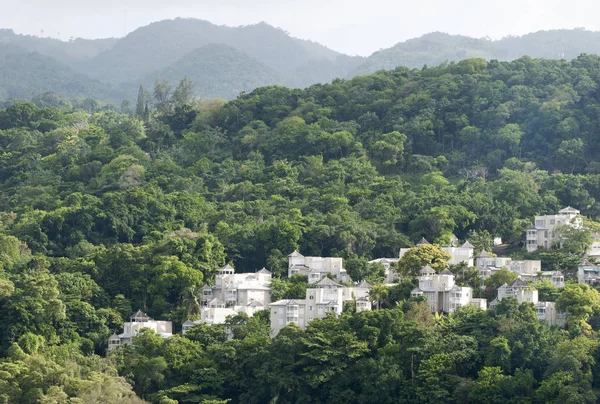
{"x": 104, "y": 213}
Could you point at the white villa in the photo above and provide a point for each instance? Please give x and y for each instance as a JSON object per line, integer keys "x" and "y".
{"x": 587, "y": 272}
{"x": 316, "y": 267}
{"x": 233, "y": 294}
{"x": 391, "y": 276}
{"x": 325, "y": 296}
{"x": 542, "y": 234}
{"x": 527, "y": 270}
{"x": 137, "y": 321}
{"x": 525, "y": 293}
{"x": 442, "y": 294}
{"x": 458, "y": 254}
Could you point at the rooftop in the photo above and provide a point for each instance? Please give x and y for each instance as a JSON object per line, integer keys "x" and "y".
{"x": 140, "y": 316}
{"x": 467, "y": 245}
{"x": 289, "y": 302}
{"x": 327, "y": 283}
{"x": 423, "y": 242}
{"x": 518, "y": 283}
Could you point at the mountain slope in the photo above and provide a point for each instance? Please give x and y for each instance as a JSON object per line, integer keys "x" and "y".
{"x": 68, "y": 52}
{"x": 430, "y": 49}
{"x": 157, "y": 45}
{"x": 24, "y": 75}
{"x": 218, "y": 71}
{"x": 436, "y": 48}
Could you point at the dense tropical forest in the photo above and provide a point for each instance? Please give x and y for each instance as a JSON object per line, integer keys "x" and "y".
{"x": 106, "y": 210}
{"x": 224, "y": 61}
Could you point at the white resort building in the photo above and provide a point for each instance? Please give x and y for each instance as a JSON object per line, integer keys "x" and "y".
{"x": 587, "y": 272}
{"x": 315, "y": 268}
{"x": 542, "y": 234}
{"x": 233, "y": 294}
{"x": 527, "y": 270}
{"x": 458, "y": 254}
{"x": 523, "y": 292}
{"x": 325, "y": 296}
{"x": 137, "y": 321}
{"x": 442, "y": 294}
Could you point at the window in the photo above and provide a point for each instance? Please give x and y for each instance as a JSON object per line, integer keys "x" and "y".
{"x": 310, "y": 307}
{"x": 311, "y": 298}
{"x": 552, "y": 221}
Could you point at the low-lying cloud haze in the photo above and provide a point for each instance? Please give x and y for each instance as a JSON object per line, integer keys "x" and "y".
{"x": 349, "y": 26}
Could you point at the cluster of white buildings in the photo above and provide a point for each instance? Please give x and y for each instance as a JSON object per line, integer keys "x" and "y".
{"x": 527, "y": 270}
{"x": 250, "y": 292}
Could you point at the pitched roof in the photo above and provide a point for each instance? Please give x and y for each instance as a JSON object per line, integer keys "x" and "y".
{"x": 226, "y": 268}
{"x": 255, "y": 303}
{"x": 295, "y": 254}
{"x": 446, "y": 272}
{"x": 264, "y": 271}
{"x": 585, "y": 262}
{"x": 416, "y": 290}
{"x": 569, "y": 209}
{"x": 484, "y": 254}
{"x": 423, "y": 242}
{"x": 326, "y": 282}
{"x": 427, "y": 270}
{"x": 467, "y": 245}
{"x": 216, "y": 301}
{"x": 140, "y": 315}
{"x": 114, "y": 336}
{"x": 288, "y": 302}
{"x": 189, "y": 322}
{"x": 364, "y": 284}
{"x": 518, "y": 283}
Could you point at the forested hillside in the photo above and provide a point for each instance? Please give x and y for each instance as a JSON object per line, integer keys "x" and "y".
{"x": 104, "y": 213}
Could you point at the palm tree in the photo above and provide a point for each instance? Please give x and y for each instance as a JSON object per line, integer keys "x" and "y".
{"x": 378, "y": 293}
{"x": 190, "y": 299}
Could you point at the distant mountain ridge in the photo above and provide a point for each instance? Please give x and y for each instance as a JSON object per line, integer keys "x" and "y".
{"x": 226, "y": 60}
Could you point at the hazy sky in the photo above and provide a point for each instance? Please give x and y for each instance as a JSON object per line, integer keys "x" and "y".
{"x": 349, "y": 26}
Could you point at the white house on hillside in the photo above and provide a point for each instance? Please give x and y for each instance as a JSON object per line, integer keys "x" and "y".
{"x": 325, "y": 296}
{"x": 587, "y": 272}
{"x": 315, "y": 268}
{"x": 458, "y": 254}
{"x": 137, "y": 321}
{"x": 233, "y": 294}
{"x": 542, "y": 234}
{"x": 523, "y": 292}
{"x": 442, "y": 294}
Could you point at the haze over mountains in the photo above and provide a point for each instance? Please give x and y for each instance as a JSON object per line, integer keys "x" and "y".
{"x": 223, "y": 61}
